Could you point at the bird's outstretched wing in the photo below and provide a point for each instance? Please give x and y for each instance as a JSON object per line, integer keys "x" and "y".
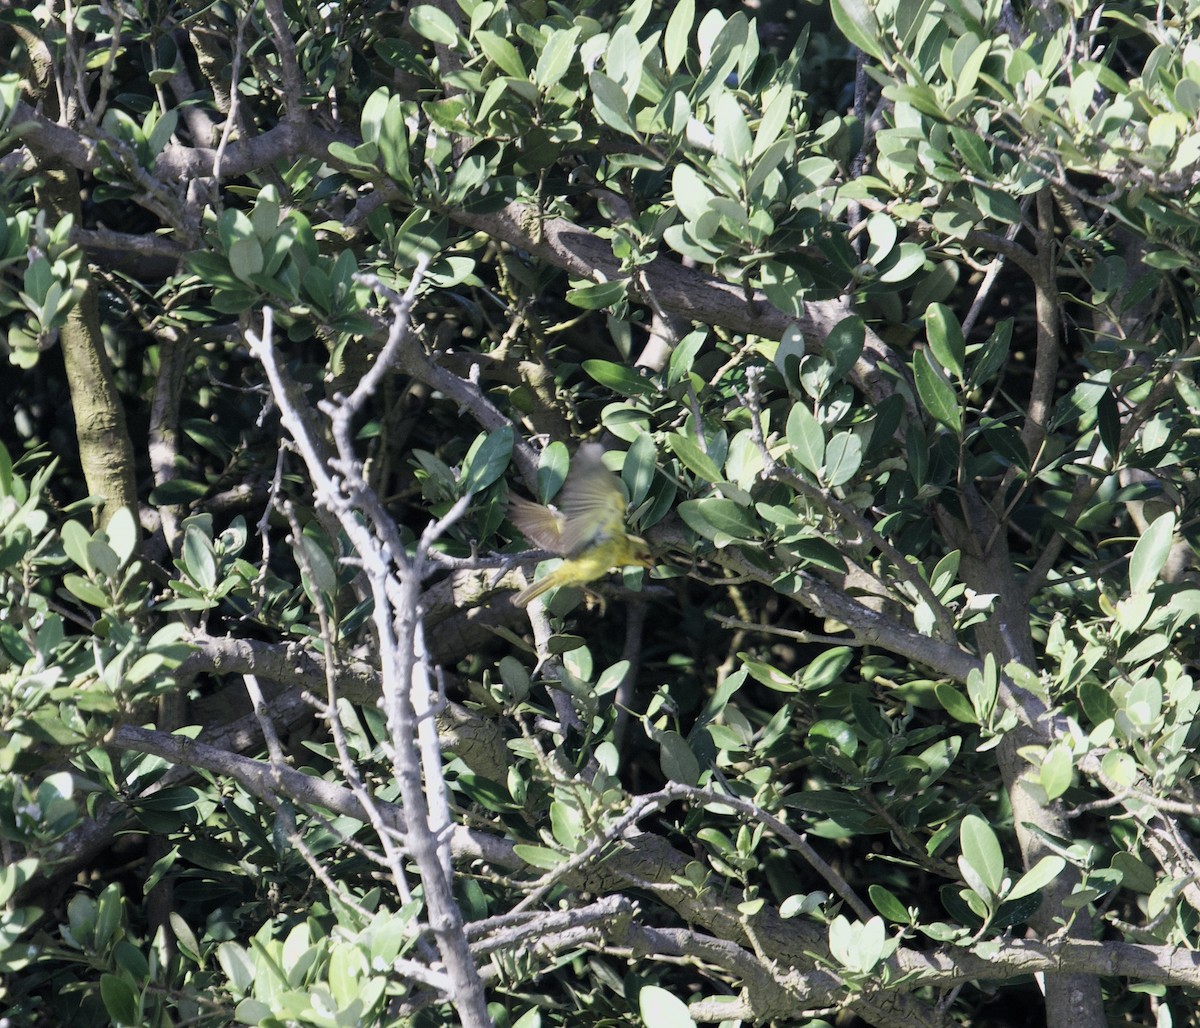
{"x": 592, "y": 502}
{"x": 591, "y": 508}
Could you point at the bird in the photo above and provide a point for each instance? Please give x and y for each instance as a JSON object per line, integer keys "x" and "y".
{"x": 586, "y": 526}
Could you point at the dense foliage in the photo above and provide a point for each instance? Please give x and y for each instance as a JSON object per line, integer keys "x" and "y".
{"x": 885, "y": 315}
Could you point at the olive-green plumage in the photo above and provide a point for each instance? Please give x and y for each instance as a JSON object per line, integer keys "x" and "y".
{"x": 588, "y": 527}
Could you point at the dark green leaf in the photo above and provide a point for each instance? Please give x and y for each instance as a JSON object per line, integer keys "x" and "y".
{"x": 694, "y": 459}
{"x": 120, "y": 1001}
{"x": 888, "y": 905}
{"x": 676, "y": 758}
{"x": 486, "y": 460}
{"x": 955, "y": 703}
{"x": 488, "y": 794}
{"x": 945, "y": 338}
{"x": 552, "y": 471}
{"x": 640, "y": 467}
{"x": 818, "y": 552}
{"x": 936, "y": 393}
{"x": 1006, "y": 442}
{"x": 992, "y": 356}
{"x": 598, "y": 295}
{"x": 720, "y": 520}
{"x": 1108, "y": 421}
{"x": 619, "y": 378}
{"x": 826, "y": 668}
{"x": 844, "y": 345}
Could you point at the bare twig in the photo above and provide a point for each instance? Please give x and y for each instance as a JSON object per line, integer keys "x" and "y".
{"x": 395, "y": 581}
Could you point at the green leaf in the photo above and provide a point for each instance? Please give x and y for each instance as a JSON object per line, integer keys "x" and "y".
{"x": 662, "y": 1009}
{"x": 246, "y": 258}
{"x": 881, "y": 235}
{"x": 843, "y": 457}
{"x": 640, "y": 467}
{"x": 936, "y": 393}
{"x": 623, "y": 61}
{"x": 102, "y": 558}
{"x": 981, "y": 851}
{"x": 723, "y": 521}
{"x": 362, "y": 156}
{"x": 539, "y": 856}
{"x": 904, "y": 262}
{"x": 694, "y": 459}
{"x": 723, "y": 55}
{"x": 611, "y": 677}
{"x": 857, "y": 947}
{"x": 692, "y": 192}
{"x": 319, "y": 567}
{"x": 611, "y": 103}
{"x": 806, "y": 439}
{"x": 888, "y": 905}
{"x": 120, "y": 1001}
{"x": 684, "y": 355}
{"x": 486, "y": 460}
{"x": 1108, "y": 421}
{"x": 676, "y": 758}
{"x": 75, "y": 540}
{"x": 238, "y": 966}
{"x": 556, "y": 56}
{"x": 844, "y": 345}
{"x": 160, "y": 135}
{"x": 487, "y": 793}
{"x": 619, "y": 378}
{"x": 820, "y": 552}
{"x": 1005, "y": 442}
{"x": 730, "y": 131}
{"x": 596, "y": 296}
{"x": 532, "y": 1018}
{"x": 1037, "y": 877}
{"x": 769, "y": 676}
{"x": 1151, "y": 553}
{"x": 1135, "y": 873}
{"x": 1056, "y": 772}
{"x": 1079, "y": 401}
{"x": 553, "y": 466}
{"x": 199, "y": 557}
{"x": 983, "y": 687}
{"x": 123, "y": 533}
{"x": 679, "y": 30}
{"x": 501, "y": 53}
{"x": 945, "y": 337}
{"x": 832, "y": 733}
{"x": 857, "y": 22}
{"x": 774, "y": 119}
{"x": 85, "y": 590}
{"x": 393, "y": 142}
{"x": 434, "y": 24}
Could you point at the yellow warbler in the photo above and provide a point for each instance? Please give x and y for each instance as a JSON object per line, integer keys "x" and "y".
{"x": 588, "y": 528}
